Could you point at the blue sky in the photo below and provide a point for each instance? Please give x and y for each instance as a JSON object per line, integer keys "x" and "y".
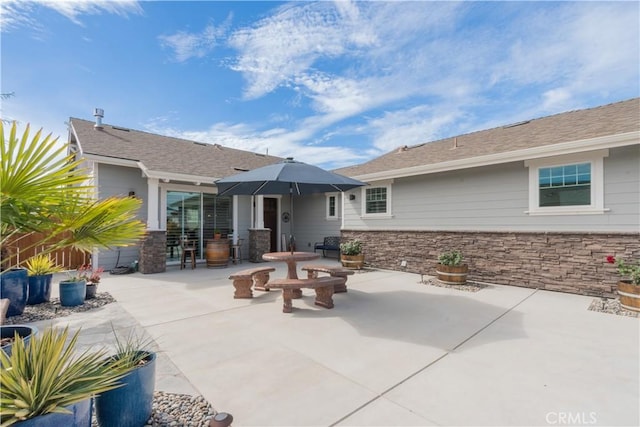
{"x": 329, "y": 83}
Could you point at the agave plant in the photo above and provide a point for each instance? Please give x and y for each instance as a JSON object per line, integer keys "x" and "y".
{"x": 46, "y": 191}
{"x": 41, "y": 265}
{"x": 47, "y": 376}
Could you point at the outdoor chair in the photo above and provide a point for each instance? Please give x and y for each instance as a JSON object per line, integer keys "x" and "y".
{"x": 188, "y": 249}
{"x": 331, "y": 243}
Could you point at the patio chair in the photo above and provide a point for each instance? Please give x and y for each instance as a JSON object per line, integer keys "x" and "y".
{"x": 188, "y": 249}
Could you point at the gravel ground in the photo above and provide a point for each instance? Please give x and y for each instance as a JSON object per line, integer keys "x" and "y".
{"x": 611, "y": 306}
{"x": 468, "y": 287}
{"x": 169, "y": 409}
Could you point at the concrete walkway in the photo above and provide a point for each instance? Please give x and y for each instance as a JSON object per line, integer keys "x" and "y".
{"x": 393, "y": 351}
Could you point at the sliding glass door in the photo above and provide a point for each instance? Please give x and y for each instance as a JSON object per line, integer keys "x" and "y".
{"x": 195, "y": 216}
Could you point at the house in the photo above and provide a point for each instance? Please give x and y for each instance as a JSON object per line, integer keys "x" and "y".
{"x": 539, "y": 203}
{"x": 175, "y": 180}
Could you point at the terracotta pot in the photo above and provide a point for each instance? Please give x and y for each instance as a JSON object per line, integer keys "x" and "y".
{"x": 452, "y": 274}
{"x": 629, "y": 295}
{"x": 352, "y": 261}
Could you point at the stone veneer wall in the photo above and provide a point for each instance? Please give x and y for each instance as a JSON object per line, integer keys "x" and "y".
{"x": 567, "y": 262}
{"x": 153, "y": 256}
{"x": 259, "y": 243}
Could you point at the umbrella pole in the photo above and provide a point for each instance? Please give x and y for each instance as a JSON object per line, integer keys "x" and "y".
{"x": 292, "y": 240}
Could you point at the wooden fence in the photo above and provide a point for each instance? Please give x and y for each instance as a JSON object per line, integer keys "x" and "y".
{"x": 24, "y": 247}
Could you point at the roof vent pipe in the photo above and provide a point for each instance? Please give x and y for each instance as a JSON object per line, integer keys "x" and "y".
{"x": 98, "y": 113}
{"x": 455, "y": 142}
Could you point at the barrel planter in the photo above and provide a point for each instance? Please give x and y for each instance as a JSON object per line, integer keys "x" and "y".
{"x": 217, "y": 253}
{"x": 452, "y": 274}
{"x": 72, "y": 293}
{"x": 39, "y": 289}
{"x": 9, "y": 331}
{"x": 131, "y": 404}
{"x": 14, "y": 285}
{"x": 629, "y": 295}
{"x": 80, "y": 416}
{"x": 352, "y": 261}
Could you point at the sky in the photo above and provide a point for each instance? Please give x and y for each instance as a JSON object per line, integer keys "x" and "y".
{"x": 328, "y": 83}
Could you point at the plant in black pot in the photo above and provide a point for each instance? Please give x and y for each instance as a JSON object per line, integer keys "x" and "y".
{"x": 450, "y": 269}
{"x": 130, "y": 405}
{"x": 92, "y": 277}
{"x": 50, "y": 383}
{"x": 40, "y": 268}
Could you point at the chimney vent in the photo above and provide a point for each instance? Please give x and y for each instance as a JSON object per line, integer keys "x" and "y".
{"x": 98, "y": 113}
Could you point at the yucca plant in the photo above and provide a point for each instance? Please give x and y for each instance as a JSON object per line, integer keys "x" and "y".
{"x": 47, "y": 376}
{"x": 42, "y": 264}
{"x": 45, "y": 190}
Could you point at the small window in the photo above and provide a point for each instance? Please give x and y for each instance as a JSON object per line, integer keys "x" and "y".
{"x": 376, "y": 200}
{"x": 570, "y": 184}
{"x": 332, "y": 206}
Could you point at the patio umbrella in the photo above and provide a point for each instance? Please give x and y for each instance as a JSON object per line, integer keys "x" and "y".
{"x": 288, "y": 177}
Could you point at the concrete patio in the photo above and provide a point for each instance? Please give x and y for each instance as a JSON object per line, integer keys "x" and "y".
{"x": 393, "y": 351}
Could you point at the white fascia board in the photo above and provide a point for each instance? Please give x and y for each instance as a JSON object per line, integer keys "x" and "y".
{"x": 116, "y": 161}
{"x": 172, "y": 176}
{"x": 582, "y": 145}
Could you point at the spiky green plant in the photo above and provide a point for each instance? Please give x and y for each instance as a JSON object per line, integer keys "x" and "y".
{"x": 131, "y": 350}
{"x": 46, "y": 376}
{"x": 44, "y": 190}
{"x": 41, "y": 264}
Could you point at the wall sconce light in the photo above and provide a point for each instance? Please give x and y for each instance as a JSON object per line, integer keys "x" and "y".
{"x": 132, "y": 193}
{"x": 352, "y": 196}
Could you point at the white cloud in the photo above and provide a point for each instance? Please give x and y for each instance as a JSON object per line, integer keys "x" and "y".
{"x": 18, "y": 13}
{"x": 189, "y": 45}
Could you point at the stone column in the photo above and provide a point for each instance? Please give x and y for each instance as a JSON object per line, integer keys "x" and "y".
{"x": 259, "y": 243}
{"x": 153, "y": 257}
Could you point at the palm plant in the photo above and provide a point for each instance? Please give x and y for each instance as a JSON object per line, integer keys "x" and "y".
{"x": 47, "y": 376}
{"x": 46, "y": 191}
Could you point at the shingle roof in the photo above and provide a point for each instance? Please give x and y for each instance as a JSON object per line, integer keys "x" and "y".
{"x": 166, "y": 154}
{"x": 612, "y": 119}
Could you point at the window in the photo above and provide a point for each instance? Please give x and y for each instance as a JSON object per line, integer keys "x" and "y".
{"x": 377, "y": 200}
{"x": 569, "y": 184}
{"x": 332, "y": 206}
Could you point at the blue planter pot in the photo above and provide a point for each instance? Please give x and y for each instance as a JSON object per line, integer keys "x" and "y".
{"x": 131, "y": 404}
{"x": 14, "y": 284}
{"x": 80, "y": 416}
{"x": 24, "y": 331}
{"x": 39, "y": 289}
{"x": 72, "y": 293}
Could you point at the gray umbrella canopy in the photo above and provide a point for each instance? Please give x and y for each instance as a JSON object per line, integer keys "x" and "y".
{"x": 288, "y": 177}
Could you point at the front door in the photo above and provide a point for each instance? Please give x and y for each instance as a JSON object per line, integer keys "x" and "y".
{"x": 271, "y": 220}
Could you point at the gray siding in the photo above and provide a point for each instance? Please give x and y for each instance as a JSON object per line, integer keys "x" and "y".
{"x": 311, "y": 223}
{"x": 495, "y": 198}
{"x": 119, "y": 181}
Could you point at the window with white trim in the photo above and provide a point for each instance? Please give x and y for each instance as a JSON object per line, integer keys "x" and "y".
{"x": 376, "y": 200}
{"x": 570, "y": 184}
{"x": 332, "y": 206}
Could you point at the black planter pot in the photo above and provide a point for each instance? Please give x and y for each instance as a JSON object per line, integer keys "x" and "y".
{"x": 14, "y": 284}
{"x": 39, "y": 289}
{"x": 131, "y": 404}
{"x": 92, "y": 289}
{"x": 72, "y": 293}
{"x": 9, "y": 331}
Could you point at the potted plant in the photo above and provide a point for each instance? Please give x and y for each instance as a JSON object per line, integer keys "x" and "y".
{"x": 73, "y": 290}
{"x": 450, "y": 269}
{"x": 217, "y": 234}
{"x": 629, "y": 286}
{"x": 130, "y": 405}
{"x": 50, "y": 384}
{"x": 92, "y": 278}
{"x": 14, "y": 286}
{"x": 8, "y": 336}
{"x": 40, "y": 269}
{"x": 351, "y": 255}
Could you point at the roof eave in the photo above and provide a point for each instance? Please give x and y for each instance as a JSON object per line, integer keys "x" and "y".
{"x": 578, "y": 146}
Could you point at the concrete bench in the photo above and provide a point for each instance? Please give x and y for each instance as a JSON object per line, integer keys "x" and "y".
{"x": 244, "y": 279}
{"x": 322, "y": 285}
{"x": 313, "y": 270}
